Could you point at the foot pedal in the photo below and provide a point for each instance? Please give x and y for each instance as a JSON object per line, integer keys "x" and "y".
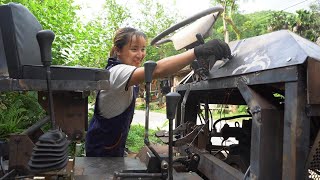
{"x": 162, "y": 133}
{"x": 165, "y": 140}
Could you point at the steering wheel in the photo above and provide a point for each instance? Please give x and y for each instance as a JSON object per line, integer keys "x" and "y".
{"x": 158, "y": 39}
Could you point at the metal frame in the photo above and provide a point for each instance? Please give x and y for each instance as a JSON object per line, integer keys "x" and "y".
{"x": 280, "y": 135}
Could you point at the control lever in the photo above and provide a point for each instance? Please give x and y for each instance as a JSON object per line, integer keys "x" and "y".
{"x": 149, "y": 67}
{"x": 45, "y": 39}
{"x": 199, "y": 68}
{"x": 54, "y": 142}
{"x": 172, "y": 100}
{"x": 200, "y": 38}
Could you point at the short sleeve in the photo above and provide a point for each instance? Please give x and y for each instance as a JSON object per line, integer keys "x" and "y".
{"x": 117, "y": 99}
{"x": 120, "y": 75}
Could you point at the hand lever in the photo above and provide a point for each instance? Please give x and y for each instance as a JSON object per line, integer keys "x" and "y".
{"x": 172, "y": 100}
{"x": 200, "y": 38}
{"x": 149, "y": 67}
{"x": 45, "y": 39}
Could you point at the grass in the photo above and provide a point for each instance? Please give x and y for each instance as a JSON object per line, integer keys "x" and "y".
{"x": 135, "y": 139}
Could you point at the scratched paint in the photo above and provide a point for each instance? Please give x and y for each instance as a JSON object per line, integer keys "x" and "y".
{"x": 259, "y": 60}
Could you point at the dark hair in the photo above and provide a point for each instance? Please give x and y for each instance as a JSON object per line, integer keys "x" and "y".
{"x": 122, "y": 37}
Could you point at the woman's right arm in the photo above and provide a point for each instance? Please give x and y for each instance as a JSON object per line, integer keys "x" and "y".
{"x": 165, "y": 67}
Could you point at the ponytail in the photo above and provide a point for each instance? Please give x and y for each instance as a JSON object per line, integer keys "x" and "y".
{"x": 113, "y": 52}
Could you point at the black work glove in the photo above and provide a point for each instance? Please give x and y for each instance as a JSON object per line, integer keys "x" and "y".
{"x": 212, "y": 50}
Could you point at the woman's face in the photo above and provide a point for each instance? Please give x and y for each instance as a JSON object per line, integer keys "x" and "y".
{"x": 134, "y": 52}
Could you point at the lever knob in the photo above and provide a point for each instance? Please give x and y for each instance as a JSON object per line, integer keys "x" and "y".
{"x": 149, "y": 67}
{"x": 45, "y": 39}
{"x": 172, "y": 100}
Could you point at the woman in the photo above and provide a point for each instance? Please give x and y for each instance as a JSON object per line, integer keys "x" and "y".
{"x": 114, "y": 108}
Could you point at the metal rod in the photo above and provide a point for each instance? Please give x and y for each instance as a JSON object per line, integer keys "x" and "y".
{"x": 172, "y": 100}
{"x": 170, "y": 149}
{"x": 183, "y": 104}
{"x": 155, "y": 152}
{"x": 246, "y": 173}
{"x": 149, "y": 67}
{"x": 146, "y": 132}
{"x": 36, "y": 126}
{"x": 51, "y": 108}
{"x": 8, "y": 175}
{"x": 137, "y": 175}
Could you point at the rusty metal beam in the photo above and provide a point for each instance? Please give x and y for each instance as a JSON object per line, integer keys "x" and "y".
{"x": 266, "y": 135}
{"x": 313, "y": 84}
{"x": 296, "y": 130}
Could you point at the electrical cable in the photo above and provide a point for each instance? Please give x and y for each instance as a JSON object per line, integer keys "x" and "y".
{"x": 189, "y": 144}
{"x": 229, "y": 118}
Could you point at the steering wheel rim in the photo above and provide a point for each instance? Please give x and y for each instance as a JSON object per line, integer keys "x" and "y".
{"x": 186, "y": 22}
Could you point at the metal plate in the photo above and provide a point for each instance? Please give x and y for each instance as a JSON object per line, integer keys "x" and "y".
{"x": 101, "y": 168}
{"x": 104, "y": 167}
{"x": 269, "y": 51}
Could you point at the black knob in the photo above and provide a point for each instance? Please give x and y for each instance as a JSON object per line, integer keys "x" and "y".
{"x": 172, "y": 100}
{"x": 149, "y": 67}
{"x": 45, "y": 39}
{"x": 200, "y": 38}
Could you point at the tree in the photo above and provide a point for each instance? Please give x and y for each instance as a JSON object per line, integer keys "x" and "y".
{"x": 281, "y": 20}
{"x": 306, "y": 24}
{"x": 229, "y": 7}
{"x": 94, "y": 39}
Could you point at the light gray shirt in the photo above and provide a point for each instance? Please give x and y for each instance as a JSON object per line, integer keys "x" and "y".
{"x": 114, "y": 101}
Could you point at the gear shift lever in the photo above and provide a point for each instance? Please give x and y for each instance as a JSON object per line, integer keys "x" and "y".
{"x": 149, "y": 67}
{"x": 172, "y": 100}
{"x": 45, "y": 39}
{"x": 51, "y": 149}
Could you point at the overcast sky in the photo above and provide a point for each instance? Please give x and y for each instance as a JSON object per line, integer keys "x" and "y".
{"x": 189, "y": 7}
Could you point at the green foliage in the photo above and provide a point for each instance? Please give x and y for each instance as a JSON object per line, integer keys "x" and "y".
{"x": 135, "y": 139}
{"x": 94, "y": 39}
{"x": 242, "y": 109}
{"x": 281, "y": 20}
{"x": 18, "y": 111}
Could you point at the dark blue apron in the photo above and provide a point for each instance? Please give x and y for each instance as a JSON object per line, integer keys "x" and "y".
{"x": 107, "y": 137}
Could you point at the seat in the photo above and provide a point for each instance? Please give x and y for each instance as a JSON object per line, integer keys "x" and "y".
{"x": 20, "y": 57}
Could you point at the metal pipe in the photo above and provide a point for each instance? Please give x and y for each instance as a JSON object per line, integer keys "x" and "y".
{"x": 146, "y": 128}
{"x": 136, "y": 175}
{"x": 45, "y": 39}
{"x": 51, "y": 108}
{"x": 149, "y": 67}
{"x": 170, "y": 149}
{"x": 8, "y": 175}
